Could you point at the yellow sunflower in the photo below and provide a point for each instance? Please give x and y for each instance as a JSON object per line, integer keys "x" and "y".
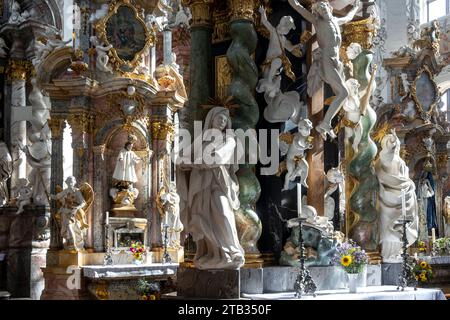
{"x": 423, "y": 264}
{"x": 423, "y": 277}
{"x": 346, "y": 261}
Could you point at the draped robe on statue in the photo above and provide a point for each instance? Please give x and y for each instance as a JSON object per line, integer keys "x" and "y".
{"x": 126, "y": 166}
{"x": 393, "y": 177}
{"x": 211, "y": 198}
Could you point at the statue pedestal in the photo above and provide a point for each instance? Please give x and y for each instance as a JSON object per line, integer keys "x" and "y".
{"x": 208, "y": 284}
{"x": 177, "y": 255}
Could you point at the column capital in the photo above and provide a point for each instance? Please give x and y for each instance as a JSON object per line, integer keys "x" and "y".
{"x": 242, "y": 9}
{"x": 56, "y": 125}
{"x": 80, "y": 122}
{"x": 99, "y": 150}
{"x": 162, "y": 130}
{"x": 201, "y": 12}
{"x": 18, "y": 69}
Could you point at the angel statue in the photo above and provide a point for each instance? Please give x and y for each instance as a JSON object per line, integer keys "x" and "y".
{"x": 102, "y": 55}
{"x": 46, "y": 46}
{"x": 3, "y": 46}
{"x": 6, "y": 169}
{"x": 169, "y": 204}
{"x": 73, "y": 203}
{"x": 295, "y": 159}
{"x": 23, "y": 193}
{"x": 327, "y": 65}
{"x": 335, "y": 180}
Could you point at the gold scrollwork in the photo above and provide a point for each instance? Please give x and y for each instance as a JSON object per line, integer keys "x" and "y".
{"x": 201, "y": 12}
{"x": 362, "y": 32}
{"x": 150, "y": 36}
{"x": 115, "y": 103}
{"x": 425, "y": 115}
{"x": 81, "y": 122}
{"x": 242, "y": 9}
{"x": 442, "y": 160}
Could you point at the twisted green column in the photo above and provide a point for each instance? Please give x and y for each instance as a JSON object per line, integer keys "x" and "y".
{"x": 363, "y": 227}
{"x": 242, "y": 88}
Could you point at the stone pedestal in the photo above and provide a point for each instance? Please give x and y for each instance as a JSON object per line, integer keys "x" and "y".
{"x": 390, "y": 273}
{"x": 252, "y": 280}
{"x": 64, "y": 283}
{"x": 208, "y": 284}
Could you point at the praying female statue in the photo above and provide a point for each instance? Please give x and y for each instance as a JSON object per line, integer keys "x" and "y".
{"x": 212, "y": 195}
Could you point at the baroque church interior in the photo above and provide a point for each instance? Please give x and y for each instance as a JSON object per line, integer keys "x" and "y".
{"x": 225, "y": 149}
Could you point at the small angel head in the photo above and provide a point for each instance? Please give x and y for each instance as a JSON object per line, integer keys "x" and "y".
{"x": 322, "y": 9}
{"x": 354, "y": 50}
{"x": 71, "y": 181}
{"x": 286, "y": 25}
{"x": 304, "y": 127}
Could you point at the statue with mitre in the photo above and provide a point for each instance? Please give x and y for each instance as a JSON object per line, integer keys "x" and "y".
{"x": 123, "y": 192}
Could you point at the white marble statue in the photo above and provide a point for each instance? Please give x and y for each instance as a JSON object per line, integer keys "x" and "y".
{"x": 44, "y": 49}
{"x": 353, "y": 114}
{"x": 406, "y": 85}
{"x": 72, "y": 212}
{"x": 311, "y": 216}
{"x": 40, "y": 107}
{"x": 393, "y": 177}
{"x": 296, "y": 164}
{"x": 3, "y": 46}
{"x": 428, "y": 143}
{"x": 328, "y": 67}
{"x": 24, "y": 193}
{"x": 183, "y": 16}
{"x": 425, "y": 192}
{"x": 211, "y": 198}
{"x": 171, "y": 203}
{"x": 17, "y": 16}
{"x": 335, "y": 179}
{"x": 127, "y": 160}
{"x": 102, "y": 55}
{"x": 6, "y": 169}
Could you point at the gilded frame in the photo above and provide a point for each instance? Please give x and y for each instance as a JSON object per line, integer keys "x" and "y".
{"x": 119, "y": 63}
{"x": 425, "y": 115}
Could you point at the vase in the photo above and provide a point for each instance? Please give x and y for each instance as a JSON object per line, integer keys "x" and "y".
{"x": 352, "y": 282}
{"x": 137, "y": 262}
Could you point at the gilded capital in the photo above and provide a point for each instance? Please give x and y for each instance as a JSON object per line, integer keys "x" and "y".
{"x": 162, "y": 130}
{"x": 201, "y": 12}
{"x": 80, "y": 122}
{"x": 242, "y": 9}
{"x": 100, "y": 149}
{"x": 56, "y": 125}
{"x": 362, "y": 32}
{"x": 18, "y": 70}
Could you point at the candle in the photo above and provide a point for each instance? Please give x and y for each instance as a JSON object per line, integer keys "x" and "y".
{"x": 107, "y": 218}
{"x": 299, "y": 199}
{"x": 433, "y": 235}
{"x": 403, "y": 203}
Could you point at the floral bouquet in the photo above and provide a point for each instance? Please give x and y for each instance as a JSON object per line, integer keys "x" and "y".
{"x": 422, "y": 271}
{"x": 442, "y": 246}
{"x": 422, "y": 246}
{"x": 138, "y": 251}
{"x": 149, "y": 290}
{"x": 350, "y": 257}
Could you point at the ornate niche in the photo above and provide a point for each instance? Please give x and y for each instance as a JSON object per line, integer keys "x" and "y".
{"x": 425, "y": 93}
{"x": 125, "y": 29}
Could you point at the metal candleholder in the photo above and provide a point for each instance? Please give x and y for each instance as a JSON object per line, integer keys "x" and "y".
{"x": 304, "y": 284}
{"x": 406, "y": 275}
{"x": 166, "y": 256}
{"x": 107, "y": 259}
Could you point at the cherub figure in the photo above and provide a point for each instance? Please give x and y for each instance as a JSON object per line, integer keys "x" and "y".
{"x": 44, "y": 48}
{"x": 335, "y": 179}
{"x": 353, "y": 127}
{"x": 24, "y": 194}
{"x": 328, "y": 66}
{"x": 102, "y": 55}
{"x": 295, "y": 159}
{"x": 276, "y": 57}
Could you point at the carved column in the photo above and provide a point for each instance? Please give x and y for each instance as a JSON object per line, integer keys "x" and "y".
{"x": 57, "y": 125}
{"x": 80, "y": 122}
{"x": 100, "y": 183}
{"x": 162, "y": 136}
{"x": 17, "y": 75}
{"x": 200, "y": 60}
{"x": 242, "y": 88}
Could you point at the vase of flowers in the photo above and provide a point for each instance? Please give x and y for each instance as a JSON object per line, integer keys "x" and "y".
{"x": 442, "y": 246}
{"x": 422, "y": 271}
{"x": 138, "y": 252}
{"x": 149, "y": 290}
{"x": 352, "y": 259}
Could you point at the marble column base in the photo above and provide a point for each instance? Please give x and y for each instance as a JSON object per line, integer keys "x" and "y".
{"x": 208, "y": 284}
{"x": 62, "y": 284}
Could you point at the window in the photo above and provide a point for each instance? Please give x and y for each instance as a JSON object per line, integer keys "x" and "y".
{"x": 445, "y": 104}
{"x": 436, "y": 9}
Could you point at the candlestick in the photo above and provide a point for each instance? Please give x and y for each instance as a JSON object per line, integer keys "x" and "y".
{"x": 299, "y": 199}
{"x": 107, "y": 218}
{"x": 433, "y": 235}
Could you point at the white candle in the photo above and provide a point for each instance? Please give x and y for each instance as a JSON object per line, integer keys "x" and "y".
{"x": 404, "y": 203}
{"x": 433, "y": 235}
{"x": 107, "y": 218}
{"x": 299, "y": 199}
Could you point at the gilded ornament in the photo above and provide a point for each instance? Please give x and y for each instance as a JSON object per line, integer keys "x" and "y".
{"x": 81, "y": 122}
{"x": 242, "y": 9}
{"x": 424, "y": 114}
{"x": 201, "y": 12}
{"x": 56, "y": 125}
{"x": 18, "y": 70}
{"x": 162, "y": 130}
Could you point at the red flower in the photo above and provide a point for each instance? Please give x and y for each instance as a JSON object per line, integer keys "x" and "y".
{"x": 140, "y": 250}
{"x": 133, "y": 250}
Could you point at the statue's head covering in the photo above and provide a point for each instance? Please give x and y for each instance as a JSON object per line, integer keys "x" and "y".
{"x": 214, "y": 112}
